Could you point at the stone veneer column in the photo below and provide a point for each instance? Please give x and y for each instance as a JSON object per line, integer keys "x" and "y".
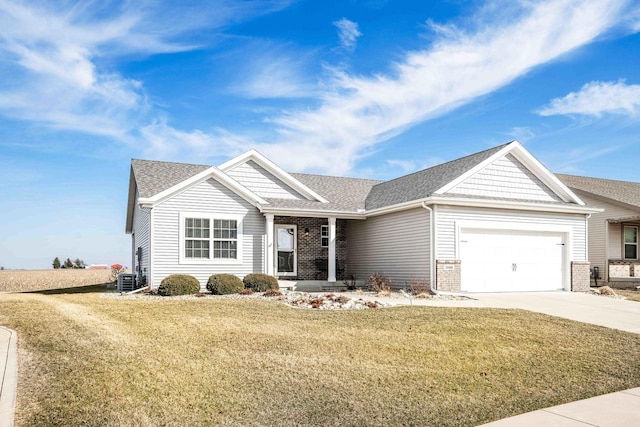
{"x": 448, "y": 275}
{"x": 580, "y": 276}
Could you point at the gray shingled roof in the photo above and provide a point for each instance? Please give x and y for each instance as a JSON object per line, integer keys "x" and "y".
{"x": 621, "y": 191}
{"x": 424, "y": 183}
{"x": 343, "y": 194}
{"x": 353, "y": 194}
{"x": 152, "y": 176}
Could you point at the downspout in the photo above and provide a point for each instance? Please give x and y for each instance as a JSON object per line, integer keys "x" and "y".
{"x": 432, "y": 255}
{"x": 432, "y": 245}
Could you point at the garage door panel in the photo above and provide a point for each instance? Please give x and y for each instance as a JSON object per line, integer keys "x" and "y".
{"x": 511, "y": 260}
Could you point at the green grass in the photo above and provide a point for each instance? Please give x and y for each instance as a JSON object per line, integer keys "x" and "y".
{"x": 87, "y": 360}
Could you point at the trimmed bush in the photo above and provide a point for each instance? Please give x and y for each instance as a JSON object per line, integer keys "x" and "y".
{"x": 178, "y": 284}
{"x": 224, "y": 284}
{"x": 259, "y": 282}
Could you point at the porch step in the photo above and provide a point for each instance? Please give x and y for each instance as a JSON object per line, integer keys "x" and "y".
{"x": 334, "y": 287}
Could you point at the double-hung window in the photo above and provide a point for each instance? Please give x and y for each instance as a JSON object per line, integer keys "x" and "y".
{"x": 630, "y": 242}
{"x": 197, "y": 238}
{"x": 225, "y": 238}
{"x": 209, "y": 238}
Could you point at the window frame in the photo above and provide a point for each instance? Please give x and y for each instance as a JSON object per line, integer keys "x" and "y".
{"x": 324, "y": 236}
{"x": 625, "y": 243}
{"x": 183, "y": 259}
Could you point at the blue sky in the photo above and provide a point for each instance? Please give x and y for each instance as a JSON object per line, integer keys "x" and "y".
{"x": 354, "y": 88}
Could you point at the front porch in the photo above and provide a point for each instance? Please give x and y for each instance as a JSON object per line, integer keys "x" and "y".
{"x": 309, "y": 249}
{"x": 623, "y": 261}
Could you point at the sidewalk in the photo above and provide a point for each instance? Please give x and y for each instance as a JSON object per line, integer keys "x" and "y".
{"x": 609, "y": 410}
{"x": 8, "y": 375}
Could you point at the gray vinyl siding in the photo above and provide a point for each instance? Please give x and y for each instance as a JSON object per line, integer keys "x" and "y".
{"x": 395, "y": 244}
{"x": 447, "y": 216}
{"x": 140, "y": 236}
{"x": 506, "y": 178}
{"x": 597, "y": 231}
{"x": 262, "y": 182}
{"x": 209, "y": 197}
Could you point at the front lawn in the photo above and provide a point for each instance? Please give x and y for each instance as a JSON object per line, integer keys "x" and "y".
{"x": 87, "y": 360}
{"x": 630, "y": 294}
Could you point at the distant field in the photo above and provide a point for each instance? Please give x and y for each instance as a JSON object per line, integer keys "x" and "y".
{"x": 40, "y": 280}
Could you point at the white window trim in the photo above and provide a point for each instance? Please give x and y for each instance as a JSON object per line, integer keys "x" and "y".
{"x": 211, "y": 217}
{"x": 624, "y": 243}
{"x": 322, "y": 236}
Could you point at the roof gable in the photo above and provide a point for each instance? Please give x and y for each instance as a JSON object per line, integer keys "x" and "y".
{"x": 275, "y": 171}
{"x": 440, "y": 180}
{"x": 424, "y": 183}
{"x": 262, "y": 182}
{"x": 506, "y": 178}
{"x": 205, "y": 175}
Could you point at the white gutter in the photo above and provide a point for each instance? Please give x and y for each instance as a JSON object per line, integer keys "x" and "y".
{"x": 484, "y": 203}
{"x": 311, "y": 212}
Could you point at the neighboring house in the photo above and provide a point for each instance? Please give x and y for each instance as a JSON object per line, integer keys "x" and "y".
{"x": 613, "y": 233}
{"x": 497, "y": 220}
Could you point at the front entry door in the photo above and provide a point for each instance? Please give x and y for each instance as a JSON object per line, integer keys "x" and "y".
{"x": 286, "y": 250}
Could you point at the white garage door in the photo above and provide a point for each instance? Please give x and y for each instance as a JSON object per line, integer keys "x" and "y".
{"x": 510, "y": 260}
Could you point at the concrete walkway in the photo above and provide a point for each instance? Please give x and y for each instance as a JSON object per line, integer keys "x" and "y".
{"x": 609, "y": 410}
{"x": 8, "y": 375}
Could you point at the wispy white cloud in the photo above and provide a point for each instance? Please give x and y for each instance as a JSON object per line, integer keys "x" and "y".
{"x": 404, "y": 165}
{"x": 164, "y": 141}
{"x": 408, "y": 166}
{"x": 596, "y": 99}
{"x": 522, "y": 134}
{"x": 51, "y": 51}
{"x": 59, "y": 49}
{"x": 460, "y": 66}
{"x": 268, "y": 70}
{"x": 348, "y": 33}
{"x": 573, "y": 160}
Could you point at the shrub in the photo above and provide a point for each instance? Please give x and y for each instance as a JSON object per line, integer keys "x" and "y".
{"x": 379, "y": 282}
{"x": 606, "y": 290}
{"x": 272, "y": 293}
{"x": 259, "y": 282}
{"x": 224, "y": 284}
{"x": 178, "y": 284}
{"x": 419, "y": 287}
{"x": 116, "y": 269}
{"x": 246, "y": 291}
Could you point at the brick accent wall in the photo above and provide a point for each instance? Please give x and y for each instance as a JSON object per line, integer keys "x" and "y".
{"x": 312, "y": 257}
{"x": 448, "y": 275}
{"x": 580, "y": 276}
